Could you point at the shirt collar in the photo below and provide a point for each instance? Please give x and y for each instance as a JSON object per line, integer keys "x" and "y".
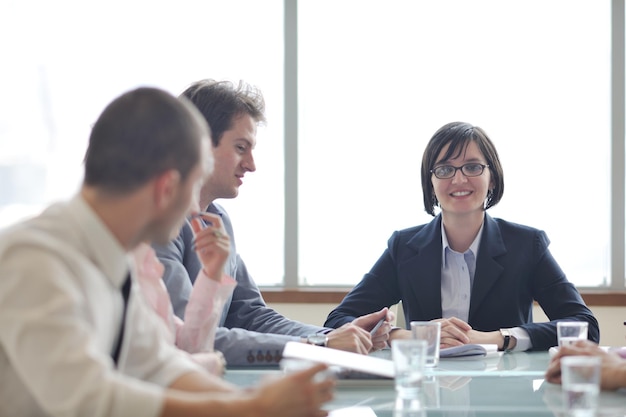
{"x": 473, "y": 247}
{"x": 215, "y": 209}
{"x": 99, "y": 243}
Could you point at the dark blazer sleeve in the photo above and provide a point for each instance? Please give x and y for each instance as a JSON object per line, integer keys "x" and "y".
{"x": 558, "y": 298}
{"x": 514, "y": 268}
{"x": 377, "y": 289}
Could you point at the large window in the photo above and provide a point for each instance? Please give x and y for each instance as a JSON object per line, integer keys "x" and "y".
{"x": 375, "y": 85}
{"x": 63, "y": 61}
{"x": 374, "y": 80}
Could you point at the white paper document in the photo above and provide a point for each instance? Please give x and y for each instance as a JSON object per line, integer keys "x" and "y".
{"x": 348, "y": 360}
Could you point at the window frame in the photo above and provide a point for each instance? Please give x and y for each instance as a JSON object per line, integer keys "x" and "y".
{"x": 617, "y": 268}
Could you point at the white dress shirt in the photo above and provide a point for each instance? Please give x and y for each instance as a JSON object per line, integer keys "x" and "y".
{"x": 457, "y": 279}
{"x": 60, "y": 314}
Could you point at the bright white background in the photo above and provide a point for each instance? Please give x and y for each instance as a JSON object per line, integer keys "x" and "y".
{"x": 375, "y": 85}
{"x": 376, "y": 80}
{"x": 64, "y": 61}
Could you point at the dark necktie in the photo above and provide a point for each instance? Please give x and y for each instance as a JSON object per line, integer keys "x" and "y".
{"x": 120, "y": 338}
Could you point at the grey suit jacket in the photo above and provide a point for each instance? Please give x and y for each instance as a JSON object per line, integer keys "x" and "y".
{"x": 250, "y": 332}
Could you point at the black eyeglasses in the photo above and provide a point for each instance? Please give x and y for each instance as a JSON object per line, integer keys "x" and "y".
{"x": 473, "y": 169}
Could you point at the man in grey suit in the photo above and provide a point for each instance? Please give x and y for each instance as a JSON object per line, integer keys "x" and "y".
{"x": 250, "y": 332}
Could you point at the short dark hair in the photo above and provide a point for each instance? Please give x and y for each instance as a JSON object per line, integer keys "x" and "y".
{"x": 140, "y": 135}
{"x": 458, "y": 135}
{"x": 221, "y": 102}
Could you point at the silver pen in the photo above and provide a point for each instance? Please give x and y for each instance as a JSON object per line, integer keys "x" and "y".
{"x": 375, "y": 329}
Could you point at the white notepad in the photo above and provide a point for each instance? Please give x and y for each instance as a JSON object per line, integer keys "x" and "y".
{"x": 348, "y": 360}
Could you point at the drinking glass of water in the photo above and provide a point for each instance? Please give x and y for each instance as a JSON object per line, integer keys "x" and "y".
{"x": 430, "y": 331}
{"x": 580, "y": 378}
{"x": 568, "y": 332}
{"x": 409, "y": 356}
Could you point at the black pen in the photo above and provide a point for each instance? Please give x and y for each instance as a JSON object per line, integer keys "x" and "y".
{"x": 380, "y": 323}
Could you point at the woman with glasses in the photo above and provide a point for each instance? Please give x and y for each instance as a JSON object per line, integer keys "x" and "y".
{"x": 477, "y": 275}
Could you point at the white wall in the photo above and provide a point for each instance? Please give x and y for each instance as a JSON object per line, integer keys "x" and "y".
{"x": 611, "y": 319}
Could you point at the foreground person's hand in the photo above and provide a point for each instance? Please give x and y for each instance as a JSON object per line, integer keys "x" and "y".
{"x": 295, "y": 395}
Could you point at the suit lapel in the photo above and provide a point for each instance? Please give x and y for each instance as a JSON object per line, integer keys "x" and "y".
{"x": 488, "y": 269}
{"x": 424, "y": 270}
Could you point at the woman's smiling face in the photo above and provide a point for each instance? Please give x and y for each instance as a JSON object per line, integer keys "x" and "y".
{"x": 461, "y": 194}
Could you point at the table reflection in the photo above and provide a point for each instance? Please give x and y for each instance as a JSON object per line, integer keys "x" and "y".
{"x": 503, "y": 386}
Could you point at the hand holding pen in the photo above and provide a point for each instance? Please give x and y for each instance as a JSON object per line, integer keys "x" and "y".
{"x": 378, "y": 325}
{"x": 211, "y": 243}
{"x": 380, "y": 332}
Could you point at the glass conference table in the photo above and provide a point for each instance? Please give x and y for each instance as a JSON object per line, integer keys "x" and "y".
{"x": 510, "y": 384}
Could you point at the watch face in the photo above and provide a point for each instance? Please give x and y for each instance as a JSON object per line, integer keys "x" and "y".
{"x": 317, "y": 339}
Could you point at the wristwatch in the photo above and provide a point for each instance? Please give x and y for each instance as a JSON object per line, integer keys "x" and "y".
{"x": 508, "y": 335}
{"x": 317, "y": 339}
